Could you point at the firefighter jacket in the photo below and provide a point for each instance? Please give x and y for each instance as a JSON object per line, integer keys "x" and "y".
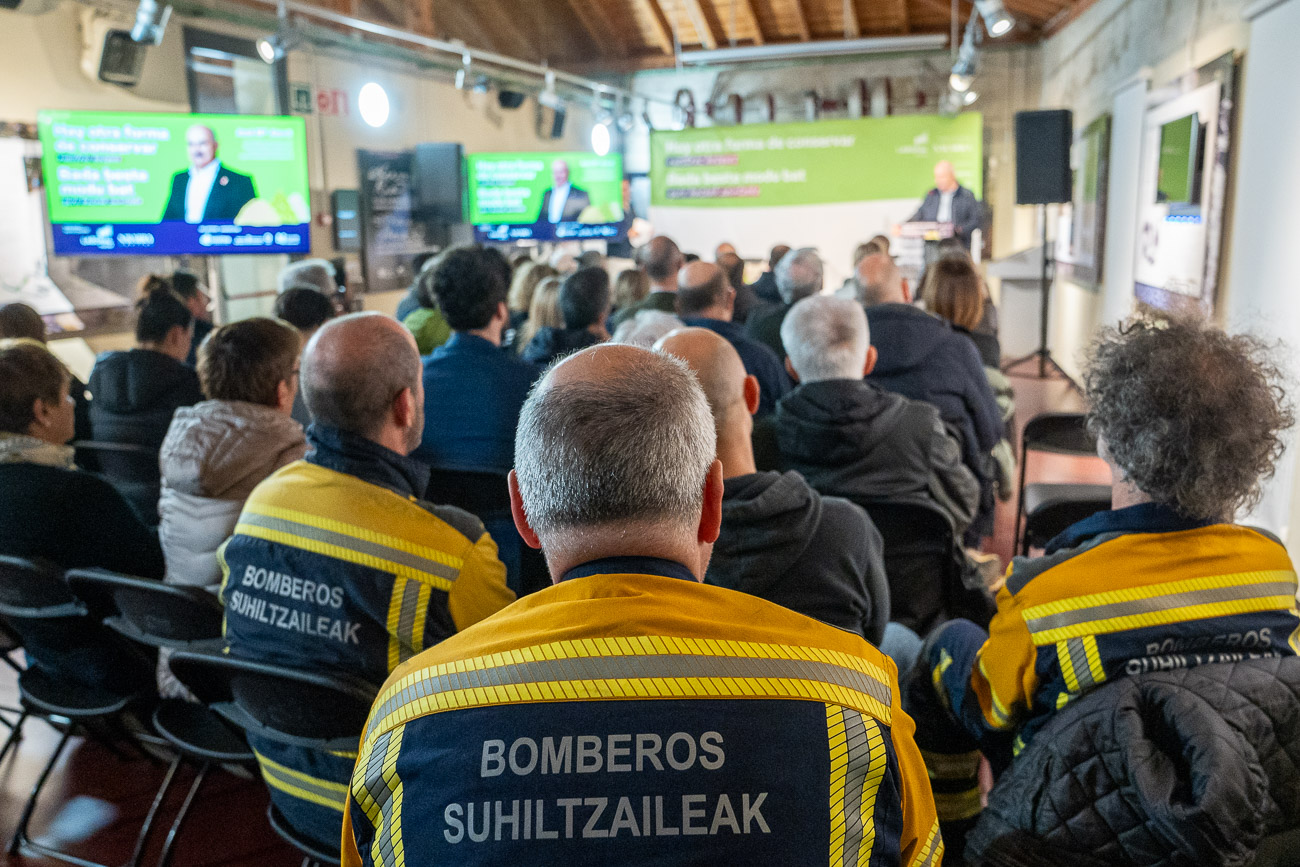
{"x": 337, "y": 567}
{"x": 631, "y": 715}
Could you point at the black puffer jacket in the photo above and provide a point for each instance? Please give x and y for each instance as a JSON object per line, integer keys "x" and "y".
{"x": 135, "y": 393}
{"x": 1186, "y": 767}
{"x": 549, "y": 343}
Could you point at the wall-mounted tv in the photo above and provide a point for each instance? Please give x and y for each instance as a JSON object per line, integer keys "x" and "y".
{"x": 122, "y": 183}
{"x": 1176, "y": 182}
{"x": 545, "y": 196}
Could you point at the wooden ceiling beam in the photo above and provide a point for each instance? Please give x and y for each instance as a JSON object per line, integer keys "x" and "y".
{"x": 703, "y": 28}
{"x": 594, "y": 21}
{"x": 420, "y": 18}
{"x": 748, "y": 7}
{"x": 905, "y": 15}
{"x": 801, "y": 20}
{"x": 663, "y": 31}
{"x": 852, "y": 26}
{"x": 1060, "y": 21}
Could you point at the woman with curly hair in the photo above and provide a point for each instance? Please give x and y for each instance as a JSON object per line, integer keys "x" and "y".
{"x": 1190, "y": 420}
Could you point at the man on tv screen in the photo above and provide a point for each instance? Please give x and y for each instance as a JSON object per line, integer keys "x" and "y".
{"x": 563, "y": 202}
{"x": 207, "y": 190}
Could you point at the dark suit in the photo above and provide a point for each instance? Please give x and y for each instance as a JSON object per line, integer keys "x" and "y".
{"x": 574, "y": 205}
{"x": 967, "y": 213}
{"x": 230, "y": 192}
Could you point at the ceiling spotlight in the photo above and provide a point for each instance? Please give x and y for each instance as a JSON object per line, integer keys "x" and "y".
{"x": 963, "y": 69}
{"x": 273, "y": 48}
{"x": 969, "y": 97}
{"x": 462, "y": 74}
{"x": 372, "y": 102}
{"x": 600, "y": 139}
{"x": 960, "y": 81}
{"x": 150, "y": 22}
{"x": 997, "y": 21}
{"x": 626, "y": 121}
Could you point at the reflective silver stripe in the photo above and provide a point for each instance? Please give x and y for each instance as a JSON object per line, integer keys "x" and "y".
{"x": 855, "y": 775}
{"x": 1154, "y": 604}
{"x": 634, "y": 667}
{"x": 379, "y": 790}
{"x": 361, "y": 546}
{"x": 934, "y": 847}
{"x": 408, "y": 642}
{"x": 1079, "y": 659}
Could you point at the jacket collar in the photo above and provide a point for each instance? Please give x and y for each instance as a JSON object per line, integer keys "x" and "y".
{"x": 357, "y": 456}
{"x": 1142, "y": 518}
{"x": 23, "y": 449}
{"x": 465, "y": 342}
{"x": 630, "y": 566}
{"x": 721, "y": 327}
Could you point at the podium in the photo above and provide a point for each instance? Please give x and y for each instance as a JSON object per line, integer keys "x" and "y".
{"x": 918, "y": 247}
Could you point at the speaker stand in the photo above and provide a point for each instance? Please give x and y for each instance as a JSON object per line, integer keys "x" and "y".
{"x": 1046, "y": 364}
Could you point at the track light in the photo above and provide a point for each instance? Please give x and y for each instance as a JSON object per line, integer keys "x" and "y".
{"x": 373, "y": 104}
{"x": 600, "y": 138}
{"x": 963, "y": 69}
{"x": 150, "y": 22}
{"x": 997, "y": 21}
{"x": 273, "y": 48}
{"x": 969, "y": 97}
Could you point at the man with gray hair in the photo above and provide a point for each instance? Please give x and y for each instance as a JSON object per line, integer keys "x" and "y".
{"x": 631, "y": 714}
{"x": 336, "y": 564}
{"x": 853, "y": 440}
{"x": 923, "y": 358}
{"x": 315, "y": 274}
{"x": 798, "y": 275}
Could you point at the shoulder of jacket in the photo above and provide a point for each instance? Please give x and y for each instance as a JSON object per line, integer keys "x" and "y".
{"x": 459, "y": 520}
{"x": 1026, "y": 569}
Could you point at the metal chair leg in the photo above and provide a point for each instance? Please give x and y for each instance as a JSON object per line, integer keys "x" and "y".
{"x": 149, "y": 818}
{"x": 20, "y": 833}
{"x": 15, "y": 735}
{"x": 164, "y": 858}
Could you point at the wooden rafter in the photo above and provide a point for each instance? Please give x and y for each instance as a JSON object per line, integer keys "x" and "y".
{"x": 852, "y": 27}
{"x": 1075, "y": 9}
{"x": 703, "y": 28}
{"x": 500, "y": 22}
{"x": 419, "y": 17}
{"x": 748, "y": 7}
{"x": 801, "y": 20}
{"x": 663, "y": 32}
{"x": 905, "y": 15}
{"x": 591, "y": 16}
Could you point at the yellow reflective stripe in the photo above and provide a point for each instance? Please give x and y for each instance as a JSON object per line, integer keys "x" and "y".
{"x": 1295, "y": 636}
{"x": 361, "y": 534}
{"x": 1001, "y": 716}
{"x": 871, "y": 788}
{"x": 1067, "y": 666}
{"x": 932, "y": 851}
{"x": 1094, "y": 659}
{"x": 394, "y": 616}
{"x": 956, "y": 806}
{"x": 1062, "y": 699}
{"x": 1158, "y": 604}
{"x": 325, "y": 793}
{"x": 387, "y": 849}
{"x": 951, "y": 766}
{"x": 839, "y": 764}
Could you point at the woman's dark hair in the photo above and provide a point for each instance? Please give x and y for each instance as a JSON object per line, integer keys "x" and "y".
{"x": 28, "y": 372}
{"x": 952, "y": 289}
{"x": 469, "y": 283}
{"x": 158, "y": 312}
{"x": 1192, "y": 416}
{"x": 304, "y": 308}
{"x": 19, "y": 320}
{"x": 185, "y": 283}
{"x": 584, "y": 297}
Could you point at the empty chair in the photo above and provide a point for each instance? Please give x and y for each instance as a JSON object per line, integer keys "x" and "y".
{"x": 1048, "y": 508}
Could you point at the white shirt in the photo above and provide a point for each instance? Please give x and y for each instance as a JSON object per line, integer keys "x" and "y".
{"x": 559, "y": 198}
{"x": 198, "y": 189}
{"x": 945, "y": 207}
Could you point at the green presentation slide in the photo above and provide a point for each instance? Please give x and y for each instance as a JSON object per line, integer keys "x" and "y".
{"x": 131, "y": 168}
{"x": 1177, "y": 139}
{"x": 765, "y": 165}
{"x": 512, "y": 188}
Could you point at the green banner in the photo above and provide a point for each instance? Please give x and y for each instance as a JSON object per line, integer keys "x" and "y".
{"x": 765, "y": 165}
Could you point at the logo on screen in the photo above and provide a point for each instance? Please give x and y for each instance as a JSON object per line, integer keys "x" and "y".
{"x": 101, "y": 240}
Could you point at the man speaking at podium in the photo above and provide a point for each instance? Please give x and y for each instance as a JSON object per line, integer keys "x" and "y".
{"x": 950, "y": 202}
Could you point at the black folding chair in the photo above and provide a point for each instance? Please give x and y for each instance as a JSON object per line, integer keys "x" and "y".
{"x": 41, "y": 608}
{"x": 1045, "y": 509}
{"x": 171, "y": 617}
{"x": 929, "y": 579}
{"x": 131, "y": 468}
{"x": 486, "y": 496}
{"x": 298, "y": 708}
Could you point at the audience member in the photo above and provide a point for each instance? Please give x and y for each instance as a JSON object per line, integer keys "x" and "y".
{"x": 191, "y": 290}
{"x": 472, "y": 390}
{"x": 307, "y": 310}
{"x": 797, "y": 275}
{"x": 584, "y": 304}
{"x": 52, "y": 512}
{"x": 851, "y": 439}
{"x": 878, "y": 244}
{"x": 317, "y": 273}
{"x": 520, "y": 298}
{"x": 1164, "y": 581}
{"x": 630, "y": 287}
{"x": 646, "y": 328}
{"x": 954, "y": 292}
{"x": 781, "y": 540}
{"x": 921, "y": 357}
{"x": 543, "y": 312}
{"x": 661, "y": 260}
{"x": 724, "y": 250}
{"x": 765, "y": 286}
{"x": 17, "y": 320}
{"x": 688, "y": 258}
{"x": 426, "y": 323}
{"x": 747, "y": 302}
{"x": 590, "y": 259}
{"x": 343, "y": 542}
{"x": 411, "y": 300}
{"x": 136, "y": 391}
{"x": 704, "y": 300}
{"x": 217, "y": 451}
{"x": 630, "y": 662}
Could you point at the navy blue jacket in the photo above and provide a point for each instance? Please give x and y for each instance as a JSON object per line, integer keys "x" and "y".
{"x": 967, "y": 214}
{"x": 759, "y": 360}
{"x": 473, "y": 392}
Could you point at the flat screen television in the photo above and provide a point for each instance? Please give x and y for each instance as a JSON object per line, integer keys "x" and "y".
{"x": 545, "y": 196}
{"x": 127, "y": 183}
{"x": 1176, "y": 183}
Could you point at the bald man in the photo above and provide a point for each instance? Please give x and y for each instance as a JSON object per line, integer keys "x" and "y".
{"x": 706, "y": 299}
{"x": 780, "y": 539}
{"x": 563, "y": 202}
{"x": 337, "y": 565}
{"x": 950, "y": 202}
{"x": 631, "y": 714}
{"x": 207, "y": 191}
{"x": 662, "y": 260}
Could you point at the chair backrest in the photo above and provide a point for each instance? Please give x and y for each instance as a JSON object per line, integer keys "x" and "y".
{"x": 149, "y": 611}
{"x": 482, "y": 494}
{"x": 300, "y": 708}
{"x": 122, "y": 462}
{"x": 1060, "y": 432}
{"x": 34, "y": 590}
{"x": 922, "y": 559}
